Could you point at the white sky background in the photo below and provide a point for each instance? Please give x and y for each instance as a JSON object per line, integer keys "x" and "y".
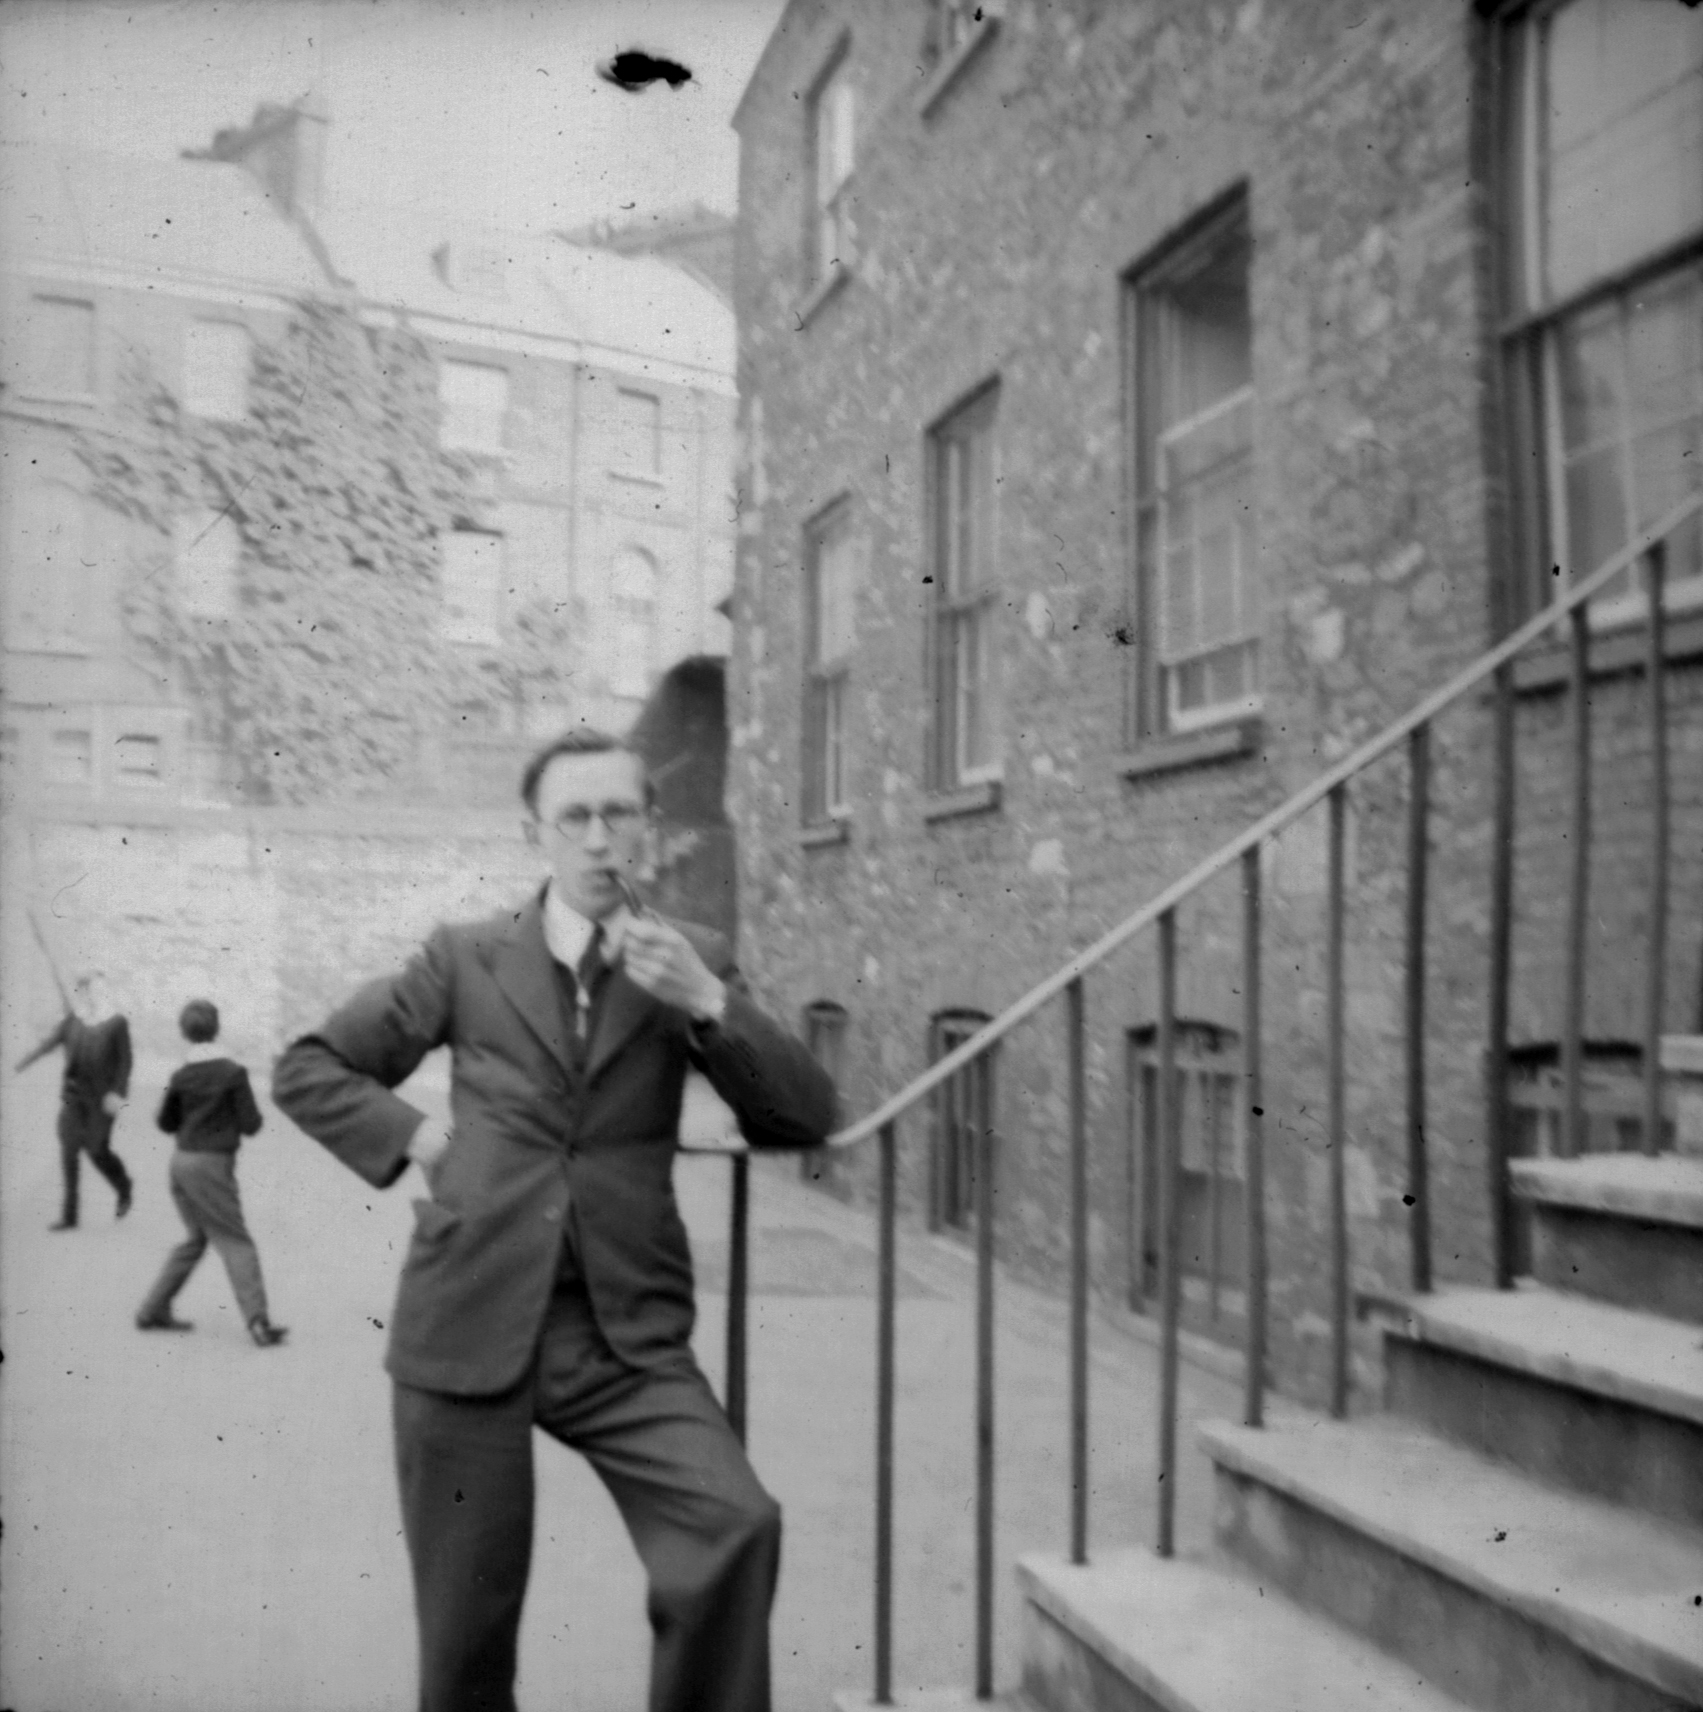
{"x": 489, "y": 113}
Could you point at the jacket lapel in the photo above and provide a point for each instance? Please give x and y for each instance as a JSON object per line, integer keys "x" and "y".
{"x": 522, "y": 966}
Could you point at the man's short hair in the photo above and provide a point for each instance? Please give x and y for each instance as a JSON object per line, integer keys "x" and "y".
{"x": 582, "y": 740}
{"x": 199, "y": 1021}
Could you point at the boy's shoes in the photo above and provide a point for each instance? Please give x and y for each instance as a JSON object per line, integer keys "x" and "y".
{"x": 264, "y": 1333}
{"x": 123, "y": 1203}
{"x": 64, "y": 1224}
{"x": 166, "y": 1322}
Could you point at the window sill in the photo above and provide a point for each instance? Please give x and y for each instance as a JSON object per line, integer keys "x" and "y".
{"x": 59, "y": 647}
{"x": 828, "y": 833}
{"x": 1193, "y": 748}
{"x": 952, "y": 67}
{"x": 975, "y": 798}
{"x": 819, "y": 294}
{"x": 1612, "y": 653}
{"x": 36, "y": 395}
{"x": 635, "y": 478}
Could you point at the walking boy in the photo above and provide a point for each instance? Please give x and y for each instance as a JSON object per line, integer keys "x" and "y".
{"x": 96, "y": 1040}
{"x": 209, "y": 1107}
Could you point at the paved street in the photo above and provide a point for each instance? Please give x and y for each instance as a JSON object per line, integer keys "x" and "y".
{"x": 197, "y": 1526}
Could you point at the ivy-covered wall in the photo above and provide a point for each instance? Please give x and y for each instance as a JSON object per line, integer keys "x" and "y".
{"x": 325, "y": 664}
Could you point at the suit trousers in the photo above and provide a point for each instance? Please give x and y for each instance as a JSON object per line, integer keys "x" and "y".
{"x": 85, "y": 1128}
{"x": 706, "y": 1531}
{"x": 204, "y": 1187}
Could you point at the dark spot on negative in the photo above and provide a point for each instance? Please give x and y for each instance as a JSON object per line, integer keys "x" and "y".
{"x": 635, "y": 69}
{"x": 1124, "y": 636}
{"x": 1407, "y": 1200}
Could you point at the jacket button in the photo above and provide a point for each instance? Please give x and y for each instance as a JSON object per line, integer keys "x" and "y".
{"x": 552, "y": 1213}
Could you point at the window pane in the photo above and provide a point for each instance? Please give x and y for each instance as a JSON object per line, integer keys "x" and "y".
{"x": 1206, "y": 528}
{"x": 1623, "y": 135}
{"x": 207, "y": 550}
{"x": 638, "y": 432}
{"x": 835, "y": 594}
{"x": 70, "y": 758}
{"x": 138, "y": 760}
{"x": 472, "y": 583}
{"x": 60, "y": 348}
{"x": 475, "y": 400}
{"x": 215, "y": 370}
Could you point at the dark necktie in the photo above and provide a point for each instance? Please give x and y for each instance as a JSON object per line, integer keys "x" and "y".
{"x": 590, "y": 973}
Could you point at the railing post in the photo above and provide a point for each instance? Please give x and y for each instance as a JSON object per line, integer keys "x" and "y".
{"x": 886, "y": 1295}
{"x": 1170, "y": 1232}
{"x": 1253, "y": 1174}
{"x": 1578, "y": 889}
{"x": 1655, "y": 988}
{"x": 1078, "y": 1273}
{"x": 984, "y": 1389}
{"x": 1497, "y": 1114}
{"x": 1338, "y": 1116}
{"x": 1418, "y": 850}
{"x": 738, "y": 1289}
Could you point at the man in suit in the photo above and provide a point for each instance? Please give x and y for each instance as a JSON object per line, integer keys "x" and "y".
{"x": 96, "y": 1040}
{"x": 548, "y": 1281}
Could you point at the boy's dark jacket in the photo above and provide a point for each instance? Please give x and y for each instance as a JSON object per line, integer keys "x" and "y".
{"x": 209, "y": 1107}
{"x": 535, "y": 1143}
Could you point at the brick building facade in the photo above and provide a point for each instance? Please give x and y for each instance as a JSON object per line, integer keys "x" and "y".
{"x": 1142, "y": 405}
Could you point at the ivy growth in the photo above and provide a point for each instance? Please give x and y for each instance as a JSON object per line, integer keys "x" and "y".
{"x": 326, "y": 664}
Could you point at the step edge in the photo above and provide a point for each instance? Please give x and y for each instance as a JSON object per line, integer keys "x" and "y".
{"x": 1319, "y": 1629}
{"x": 1546, "y": 1182}
{"x": 1502, "y": 1349}
{"x": 1651, "y": 1661}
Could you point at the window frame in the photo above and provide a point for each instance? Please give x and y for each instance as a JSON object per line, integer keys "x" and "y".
{"x": 225, "y": 325}
{"x": 826, "y": 210}
{"x": 957, "y": 612}
{"x": 1152, "y": 712}
{"x": 623, "y": 464}
{"x": 825, "y": 797}
{"x": 1529, "y": 341}
{"x": 479, "y": 447}
{"x": 629, "y": 618}
{"x": 50, "y": 394}
{"x": 471, "y": 637}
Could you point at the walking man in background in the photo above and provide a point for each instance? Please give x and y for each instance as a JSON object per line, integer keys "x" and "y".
{"x": 209, "y": 1106}
{"x": 96, "y": 1042}
{"x": 549, "y": 1281}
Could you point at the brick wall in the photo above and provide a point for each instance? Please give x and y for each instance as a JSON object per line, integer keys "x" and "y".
{"x": 991, "y": 238}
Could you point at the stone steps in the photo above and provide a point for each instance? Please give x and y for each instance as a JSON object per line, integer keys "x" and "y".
{"x": 1619, "y": 1227}
{"x": 1134, "y": 1633}
{"x": 1580, "y": 1393}
{"x": 1508, "y": 1594}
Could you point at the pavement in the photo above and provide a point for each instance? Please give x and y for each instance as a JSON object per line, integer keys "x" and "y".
{"x": 195, "y": 1525}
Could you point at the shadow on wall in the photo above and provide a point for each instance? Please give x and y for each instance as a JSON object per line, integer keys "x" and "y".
{"x": 682, "y": 735}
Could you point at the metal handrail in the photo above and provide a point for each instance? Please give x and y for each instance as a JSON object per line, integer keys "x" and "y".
{"x": 1309, "y": 796}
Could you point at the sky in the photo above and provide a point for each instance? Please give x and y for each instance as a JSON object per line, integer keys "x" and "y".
{"x": 488, "y": 112}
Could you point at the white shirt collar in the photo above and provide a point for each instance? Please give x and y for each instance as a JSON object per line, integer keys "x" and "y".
{"x": 567, "y": 933}
{"x": 199, "y": 1051}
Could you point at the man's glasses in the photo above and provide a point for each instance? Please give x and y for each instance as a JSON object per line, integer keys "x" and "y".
{"x": 575, "y": 820}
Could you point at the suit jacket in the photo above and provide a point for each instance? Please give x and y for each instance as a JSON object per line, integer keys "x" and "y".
{"x": 536, "y": 1145}
{"x": 97, "y": 1063}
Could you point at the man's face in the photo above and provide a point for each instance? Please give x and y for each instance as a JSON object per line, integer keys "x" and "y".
{"x": 88, "y": 998}
{"x": 578, "y": 797}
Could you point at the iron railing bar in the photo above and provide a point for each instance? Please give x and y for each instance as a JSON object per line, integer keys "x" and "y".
{"x": 1578, "y": 887}
{"x": 1655, "y": 990}
{"x": 1135, "y": 1128}
{"x": 1418, "y": 851}
{"x": 1498, "y": 1114}
{"x": 981, "y": 1105}
{"x": 886, "y": 1296}
{"x": 1209, "y": 1120}
{"x": 1078, "y": 1034}
{"x": 738, "y": 1289}
{"x": 1170, "y": 1232}
{"x": 1374, "y": 749}
{"x": 1253, "y": 1166}
{"x": 1338, "y": 1124}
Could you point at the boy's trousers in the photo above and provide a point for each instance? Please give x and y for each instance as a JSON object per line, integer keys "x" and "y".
{"x": 204, "y": 1186}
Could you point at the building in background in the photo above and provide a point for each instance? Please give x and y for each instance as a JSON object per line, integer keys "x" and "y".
{"x": 1142, "y": 406}
{"x": 515, "y": 490}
